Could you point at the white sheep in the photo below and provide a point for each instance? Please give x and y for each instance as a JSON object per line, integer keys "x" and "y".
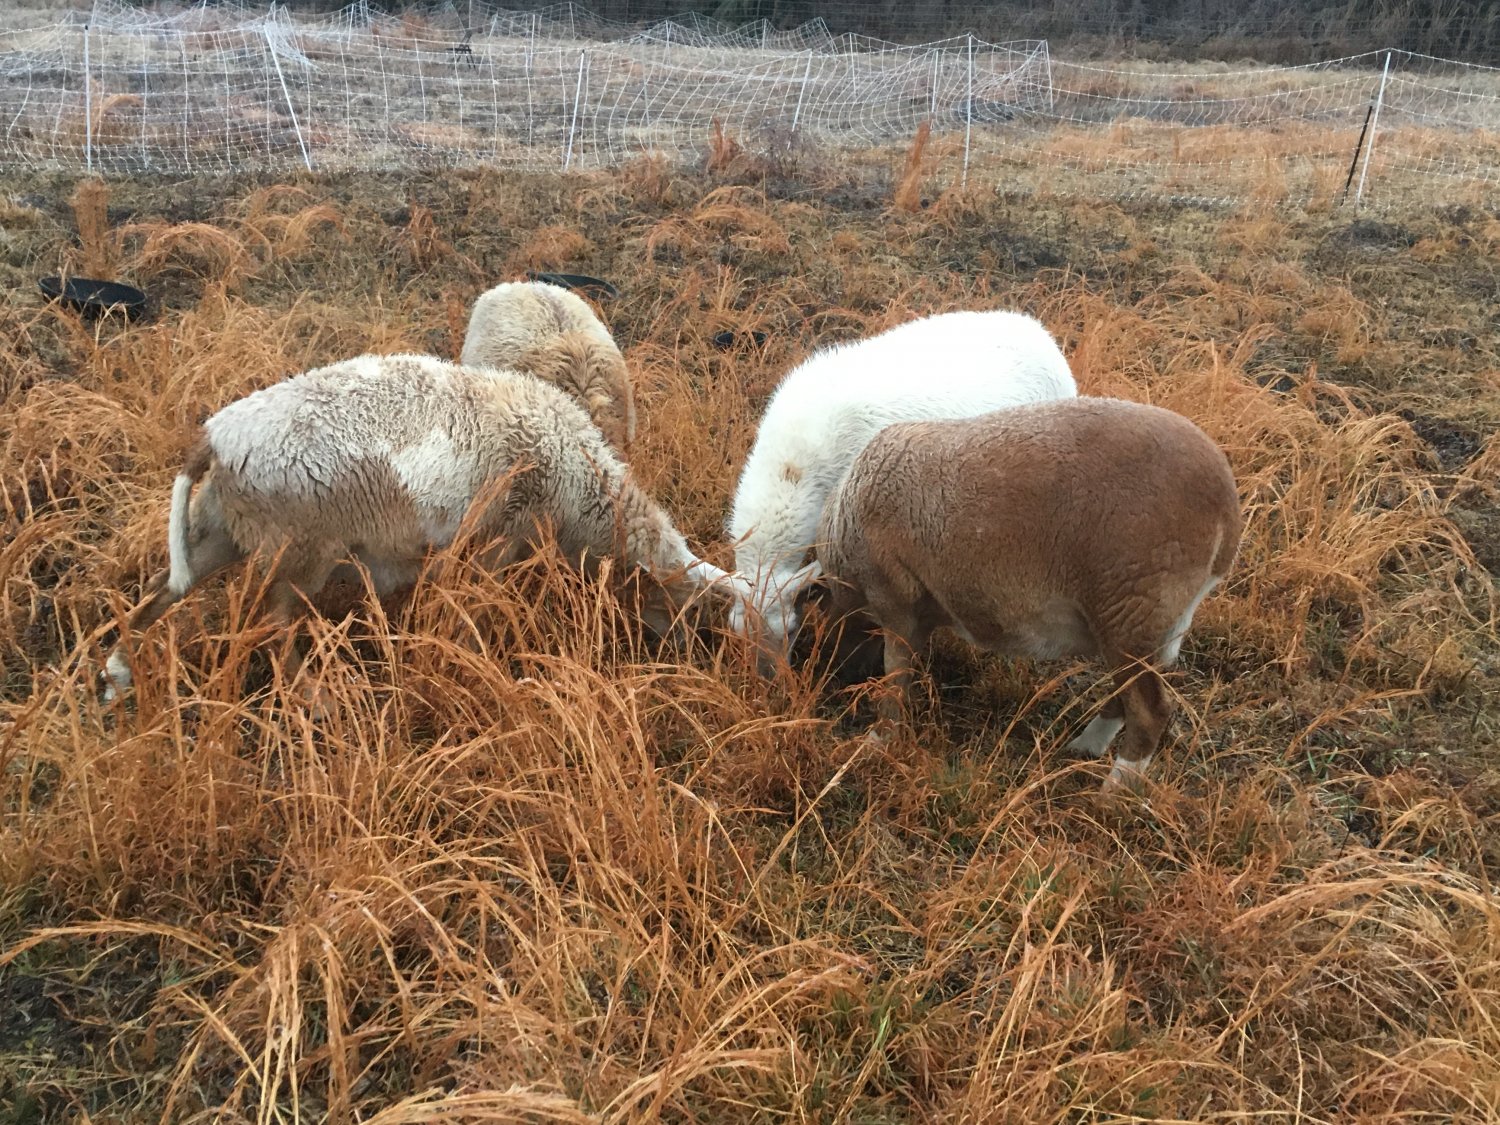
{"x": 379, "y": 458}
{"x": 1086, "y": 527}
{"x": 953, "y": 365}
{"x": 546, "y": 331}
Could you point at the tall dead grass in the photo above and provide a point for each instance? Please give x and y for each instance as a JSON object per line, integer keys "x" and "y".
{"x": 908, "y": 195}
{"x": 532, "y": 866}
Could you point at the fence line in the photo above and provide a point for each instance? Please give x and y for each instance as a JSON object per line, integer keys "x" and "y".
{"x": 228, "y": 87}
{"x": 1385, "y": 74}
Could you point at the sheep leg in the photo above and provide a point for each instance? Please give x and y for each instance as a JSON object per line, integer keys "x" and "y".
{"x": 902, "y": 638}
{"x": 211, "y": 551}
{"x": 389, "y": 574}
{"x": 1148, "y": 709}
{"x": 1094, "y": 741}
{"x": 287, "y": 603}
{"x": 498, "y": 555}
{"x": 857, "y": 649}
{"x": 389, "y": 577}
{"x": 287, "y": 609}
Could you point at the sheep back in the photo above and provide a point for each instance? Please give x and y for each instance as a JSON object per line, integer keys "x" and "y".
{"x": 825, "y": 410}
{"x": 553, "y": 334}
{"x": 388, "y": 453}
{"x": 1118, "y": 509}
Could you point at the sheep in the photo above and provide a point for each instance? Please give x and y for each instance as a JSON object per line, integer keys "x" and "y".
{"x": 952, "y": 365}
{"x": 1086, "y": 527}
{"x": 379, "y": 459}
{"x": 546, "y": 331}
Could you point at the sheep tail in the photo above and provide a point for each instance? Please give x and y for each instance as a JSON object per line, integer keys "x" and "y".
{"x": 180, "y": 578}
{"x": 1227, "y": 548}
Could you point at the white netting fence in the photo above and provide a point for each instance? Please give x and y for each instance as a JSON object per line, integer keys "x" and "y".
{"x": 226, "y": 87}
{"x": 1391, "y": 125}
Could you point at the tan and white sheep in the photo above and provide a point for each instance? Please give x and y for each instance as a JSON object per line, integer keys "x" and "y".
{"x": 1083, "y": 527}
{"x": 378, "y": 459}
{"x": 546, "y": 331}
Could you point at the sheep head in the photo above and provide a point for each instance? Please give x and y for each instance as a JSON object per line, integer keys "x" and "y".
{"x": 692, "y": 599}
{"x": 771, "y": 612}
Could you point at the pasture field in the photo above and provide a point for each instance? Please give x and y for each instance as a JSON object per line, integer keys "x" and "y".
{"x": 533, "y": 867}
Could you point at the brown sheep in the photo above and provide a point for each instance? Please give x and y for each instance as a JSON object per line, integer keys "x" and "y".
{"x": 1085, "y": 527}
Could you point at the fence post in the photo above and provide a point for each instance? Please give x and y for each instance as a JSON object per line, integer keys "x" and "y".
{"x": 527, "y": 62}
{"x": 968, "y": 113}
{"x": 937, "y": 58}
{"x": 1046, "y": 50}
{"x": 583, "y": 62}
{"x": 1359, "y": 192}
{"x": 265, "y": 30}
{"x": 88, "y": 106}
{"x": 1359, "y": 147}
{"x": 802, "y": 93}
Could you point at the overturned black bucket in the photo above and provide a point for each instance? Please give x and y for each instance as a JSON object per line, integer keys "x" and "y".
{"x": 724, "y": 341}
{"x": 595, "y": 287}
{"x": 94, "y": 298}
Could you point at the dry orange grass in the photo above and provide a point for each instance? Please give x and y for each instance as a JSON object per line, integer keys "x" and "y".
{"x": 90, "y": 204}
{"x": 723, "y": 150}
{"x": 908, "y": 194}
{"x": 1303, "y": 165}
{"x": 533, "y": 867}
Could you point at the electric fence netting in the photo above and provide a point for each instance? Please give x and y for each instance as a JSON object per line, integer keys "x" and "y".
{"x": 220, "y": 88}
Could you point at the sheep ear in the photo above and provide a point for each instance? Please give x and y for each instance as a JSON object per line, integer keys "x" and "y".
{"x": 802, "y": 579}
{"x": 706, "y": 574}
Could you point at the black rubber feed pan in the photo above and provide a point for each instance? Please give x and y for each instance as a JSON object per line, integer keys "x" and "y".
{"x": 94, "y": 298}
{"x": 726, "y": 340}
{"x": 595, "y": 287}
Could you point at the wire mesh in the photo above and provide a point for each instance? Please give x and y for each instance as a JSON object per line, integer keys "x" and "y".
{"x": 221, "y": 87}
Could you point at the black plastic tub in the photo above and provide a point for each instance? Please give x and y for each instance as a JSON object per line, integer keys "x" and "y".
{"x": 726, "y": 340}
{"x": 94, "y": 298}
{"x": 595, "y": 287}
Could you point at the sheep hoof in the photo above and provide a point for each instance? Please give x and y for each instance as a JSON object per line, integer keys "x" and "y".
{"x": 103, "y": 691}
{"x": 114, "y": 679}
{"x": 320, "y": 702}
{"x": 1094, "y": 740}
{"x": 1125, "y": 777}
{"x": 111, "y": 691}
{"x": 1082, "y": 747}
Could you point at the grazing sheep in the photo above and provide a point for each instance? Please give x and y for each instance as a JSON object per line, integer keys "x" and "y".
{"x": 380, "y": 458}
{"x": 546, "y": 331}
{"x": 1085, "y": 527}
{"x": 954, "y": 365}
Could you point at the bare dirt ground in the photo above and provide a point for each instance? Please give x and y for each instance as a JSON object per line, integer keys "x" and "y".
{"x": 534, "y": 868}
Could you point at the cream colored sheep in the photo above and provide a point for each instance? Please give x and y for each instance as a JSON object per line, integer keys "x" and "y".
{"x": 546, "y": 331}
{"x": 379, "y": 459}
{"x": 1082, "y": 527}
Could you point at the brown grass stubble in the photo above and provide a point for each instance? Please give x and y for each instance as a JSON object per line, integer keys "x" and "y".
{"x": 532, "y": 867}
